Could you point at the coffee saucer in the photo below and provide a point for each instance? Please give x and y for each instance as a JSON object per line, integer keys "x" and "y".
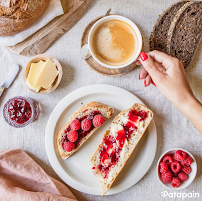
{"x": 94, "y": 65}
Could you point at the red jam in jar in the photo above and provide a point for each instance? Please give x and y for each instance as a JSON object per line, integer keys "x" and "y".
{"x": 20, "y": 111}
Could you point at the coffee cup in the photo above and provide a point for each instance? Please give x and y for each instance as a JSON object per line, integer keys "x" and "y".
{"x": 114, "y": 41}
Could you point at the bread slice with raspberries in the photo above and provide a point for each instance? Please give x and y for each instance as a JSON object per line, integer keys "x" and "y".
{"x": 80, "y": 126}
{"x": 118, "y": 143}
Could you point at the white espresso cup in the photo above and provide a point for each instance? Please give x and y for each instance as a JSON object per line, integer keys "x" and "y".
{"x": 88, "y": 49}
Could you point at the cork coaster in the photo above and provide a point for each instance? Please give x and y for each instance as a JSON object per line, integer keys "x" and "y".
{"x": 94, "y": 65}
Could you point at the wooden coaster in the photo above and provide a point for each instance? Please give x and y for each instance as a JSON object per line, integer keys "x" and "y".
{"x": 94, "y": 65}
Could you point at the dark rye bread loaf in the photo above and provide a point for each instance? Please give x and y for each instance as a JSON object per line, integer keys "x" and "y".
{"x": 17, "y": 15}
{"x": 158, "y": 37}
{"x": 185, "y": 33}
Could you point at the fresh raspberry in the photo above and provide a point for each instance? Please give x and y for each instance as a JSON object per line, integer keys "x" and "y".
{"x": 68, "y": 146}
{"x": 75, "y": 125}
{"x": 175, "y": 182}
{"x": 163, "y": 167}
{"x": 188, "y": 161}
{"x": 166, "y": 177}
{"x": 175, "y": 167}
{"x": 186, "y": 169}
{"x": 174, "y": 159}
{"x": 86, "y": 125}
{"x": 180, "y": 155}
{"x": 182, "y": 176}
{"x": 72, "y": 136}
{"x": 167, "y": 159}
{"x": 98, "y": 120}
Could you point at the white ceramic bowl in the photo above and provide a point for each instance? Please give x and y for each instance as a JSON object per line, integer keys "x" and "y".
{"x": 121, "y": 18}
{"x": 191, "y": 175}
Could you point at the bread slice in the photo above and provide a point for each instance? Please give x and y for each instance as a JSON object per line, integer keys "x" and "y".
{"x": 92, "y": 109}
{"x": 185, "y": 32}
{"x": 159, "y": 34}
{"x": 118, "y": 143}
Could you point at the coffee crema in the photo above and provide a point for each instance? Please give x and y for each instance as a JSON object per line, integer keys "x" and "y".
{"x": 114, "y": 42}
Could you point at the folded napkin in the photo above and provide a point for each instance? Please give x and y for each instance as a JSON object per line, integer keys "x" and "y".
{"x": 21, "y": 179}
{"x": 53, "y": 10}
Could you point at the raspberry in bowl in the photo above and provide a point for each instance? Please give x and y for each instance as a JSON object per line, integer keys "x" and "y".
{"x": 20, "y": 111}
{"x": 176, "y": 169}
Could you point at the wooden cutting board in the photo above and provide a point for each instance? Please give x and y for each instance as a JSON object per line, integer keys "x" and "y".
{"x": 40, "y": 41}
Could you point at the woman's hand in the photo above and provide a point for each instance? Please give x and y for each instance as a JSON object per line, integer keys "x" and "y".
{"x": 169, "y": 76}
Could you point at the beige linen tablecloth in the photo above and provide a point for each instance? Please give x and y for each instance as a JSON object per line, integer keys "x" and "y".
{"x": 174, "y": 130}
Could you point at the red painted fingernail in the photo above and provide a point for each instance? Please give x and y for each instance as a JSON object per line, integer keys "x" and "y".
{"x": 139, "y": 76}
{"x": 145, "y": 83}
{"x": 143, "y": 56}
{"x": 154, "y": 84}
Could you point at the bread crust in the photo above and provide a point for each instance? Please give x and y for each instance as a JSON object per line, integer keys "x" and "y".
{"x": 90, "y": 106}
{"x": 172, "y": 33}
{"x": 160, "y": 24}
{"x": 135, "y": 106}
{"x": 16, "y": 16}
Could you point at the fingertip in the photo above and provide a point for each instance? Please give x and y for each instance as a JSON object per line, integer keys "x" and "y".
{"x": 143, "y": 56}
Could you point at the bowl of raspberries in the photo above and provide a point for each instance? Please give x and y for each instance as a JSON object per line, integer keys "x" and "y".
{"x": 176, "y": 168}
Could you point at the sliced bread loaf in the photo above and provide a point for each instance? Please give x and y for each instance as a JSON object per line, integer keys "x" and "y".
{"x": 17, "y": 15}
{"x": 118, "y": 143}
{"x": 185, "y": 33}
{"x": 88, "y": 111}
{"x": 158, "y": 37}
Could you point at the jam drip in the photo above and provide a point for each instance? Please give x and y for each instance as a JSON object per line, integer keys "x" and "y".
{"x": 19, "y": 111}
{"x": 81, "y": 133}
{"x": 111, "y": 148}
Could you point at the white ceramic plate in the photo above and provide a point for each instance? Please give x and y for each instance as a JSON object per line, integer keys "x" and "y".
{"x": 76, "y": 170}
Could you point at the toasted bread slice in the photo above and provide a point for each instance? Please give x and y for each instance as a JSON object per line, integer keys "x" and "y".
{"x": 118, "y": 143}
{"x": 91, "y": 108}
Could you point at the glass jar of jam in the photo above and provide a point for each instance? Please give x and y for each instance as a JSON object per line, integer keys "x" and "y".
{"x": 20, "y": 111}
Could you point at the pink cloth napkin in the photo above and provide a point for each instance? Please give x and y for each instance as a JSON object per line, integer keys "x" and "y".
{"x": 22, "y": 179}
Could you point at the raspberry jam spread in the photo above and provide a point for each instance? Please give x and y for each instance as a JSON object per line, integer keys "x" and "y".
{"x": 133, "y": 115}
{"x": 129, "y": 128}
{"x": 19, "y": 110}
{"x": 81, "y": 133}
{"x": 108, "y": 155}
{"x": 112, "y": 146}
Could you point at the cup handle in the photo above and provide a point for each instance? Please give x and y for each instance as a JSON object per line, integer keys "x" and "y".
{"x": 85, "y": 52}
